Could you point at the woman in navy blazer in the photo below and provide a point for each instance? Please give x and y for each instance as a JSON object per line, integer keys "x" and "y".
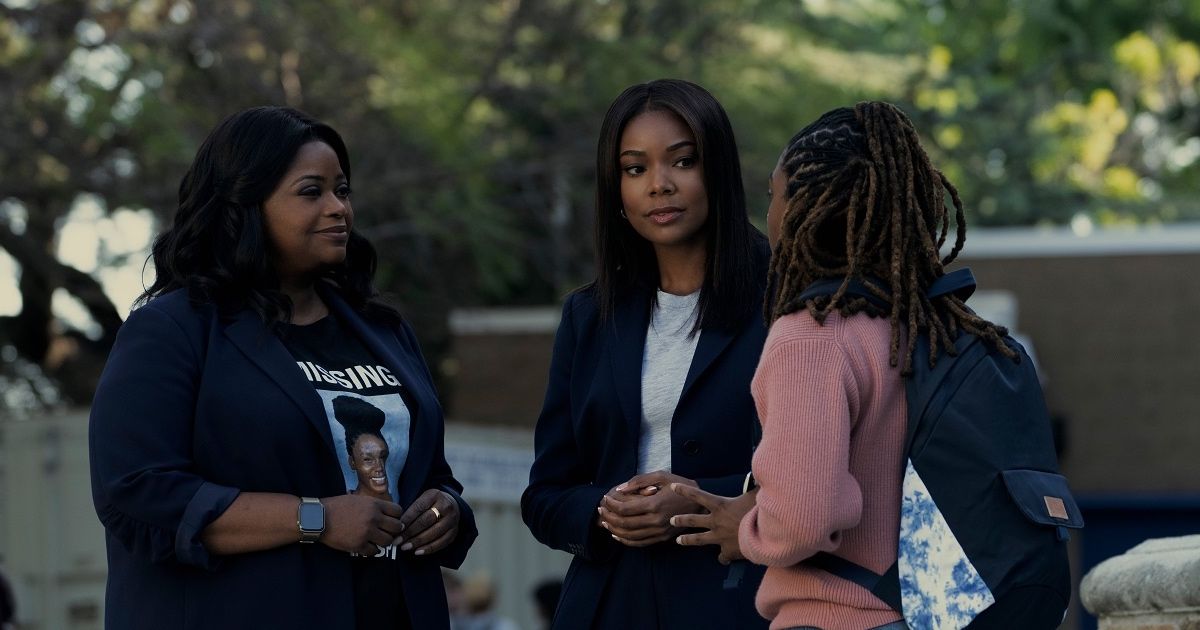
{"x": 206, "y": 431}
{"x": 634, "y": 403}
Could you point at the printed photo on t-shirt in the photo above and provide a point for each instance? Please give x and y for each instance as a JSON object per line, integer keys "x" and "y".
{"x": 371, "y": 440}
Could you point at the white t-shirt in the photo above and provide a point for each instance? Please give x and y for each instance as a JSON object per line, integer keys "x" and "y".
{"x": 666, "y": 359}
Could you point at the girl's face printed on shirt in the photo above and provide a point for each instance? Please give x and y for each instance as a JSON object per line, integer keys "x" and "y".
{"x": 369, "y": 461}
{"x": 308, "y": 217}
{"x": 662, "y": 180}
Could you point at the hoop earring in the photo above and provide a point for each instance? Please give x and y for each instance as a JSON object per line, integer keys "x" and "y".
{"x": 622, "y": 211}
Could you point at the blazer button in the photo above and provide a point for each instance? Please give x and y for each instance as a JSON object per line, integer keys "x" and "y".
{"x": 691, "y": 447}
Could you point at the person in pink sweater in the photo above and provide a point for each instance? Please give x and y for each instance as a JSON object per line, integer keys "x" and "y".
{"x": 854, "y": 197}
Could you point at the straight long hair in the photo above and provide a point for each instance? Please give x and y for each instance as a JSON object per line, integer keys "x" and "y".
{"x": 217, "y": 246}
{"x": 625, "y": 261}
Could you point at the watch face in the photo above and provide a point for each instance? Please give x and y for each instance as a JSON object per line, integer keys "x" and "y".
{"x": 312, "y": 517}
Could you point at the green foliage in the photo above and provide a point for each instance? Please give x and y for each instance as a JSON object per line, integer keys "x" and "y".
{"x": 1045, "y": 110}
{"x": 472, "y": 123}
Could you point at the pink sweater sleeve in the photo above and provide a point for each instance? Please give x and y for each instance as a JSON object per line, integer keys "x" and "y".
{"x": 807, "y": 395}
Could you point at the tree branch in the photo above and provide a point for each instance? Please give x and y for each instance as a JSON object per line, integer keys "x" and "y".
{"x": 51, "y": 274}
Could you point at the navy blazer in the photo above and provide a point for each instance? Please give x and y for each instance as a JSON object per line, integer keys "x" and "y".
{"x": 193, "y": 408}
{"x": 586, "y": 442}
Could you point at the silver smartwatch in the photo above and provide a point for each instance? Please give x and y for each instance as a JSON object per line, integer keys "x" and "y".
{"x": 310, "y": 517}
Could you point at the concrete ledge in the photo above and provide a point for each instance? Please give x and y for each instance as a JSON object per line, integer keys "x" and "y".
{"x": 1154, "y": 585}
{"x": 1163, "y": 621}
{"x": 513, "y": 320}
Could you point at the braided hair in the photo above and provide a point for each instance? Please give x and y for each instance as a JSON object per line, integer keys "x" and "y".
{"x": 864, "y": 203}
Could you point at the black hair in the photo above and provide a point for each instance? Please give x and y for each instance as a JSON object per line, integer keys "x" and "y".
{"x": 864, "y": 202}
{"x": 359, "y": 418}
{"x": 625, "y": 261}
{"x": 217, "y": 247}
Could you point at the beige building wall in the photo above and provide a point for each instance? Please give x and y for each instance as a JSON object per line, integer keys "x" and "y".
{"x": 493, "y": 465}
{"x": 50, "y": 538}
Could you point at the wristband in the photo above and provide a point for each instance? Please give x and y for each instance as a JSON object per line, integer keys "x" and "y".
{"x": 749, "y": 483}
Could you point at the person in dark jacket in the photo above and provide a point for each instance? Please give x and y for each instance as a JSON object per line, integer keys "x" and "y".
{"x": 8, "y": 603}
{"x": 217, "y": 461}
{"x": 650, "y": 377}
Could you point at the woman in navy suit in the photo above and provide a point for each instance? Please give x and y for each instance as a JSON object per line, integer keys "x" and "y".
{"x": 219, "y": 431}
{"x": 650, "y": 378}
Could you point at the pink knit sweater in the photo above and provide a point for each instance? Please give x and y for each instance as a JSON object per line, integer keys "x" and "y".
{"x": 833, "y": 415}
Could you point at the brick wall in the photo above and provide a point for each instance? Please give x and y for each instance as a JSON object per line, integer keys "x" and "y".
{"x": 1118, "y": 339}
{"x": 499, "y": 379}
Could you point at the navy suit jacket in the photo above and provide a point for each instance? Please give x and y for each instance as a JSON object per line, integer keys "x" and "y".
{"x": 193, "y": 408}
{"x": 586, "y": 443}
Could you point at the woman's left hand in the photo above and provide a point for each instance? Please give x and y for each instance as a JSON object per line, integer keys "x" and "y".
{"x": 430, "y": 523}
{"x": 645, "y": 518}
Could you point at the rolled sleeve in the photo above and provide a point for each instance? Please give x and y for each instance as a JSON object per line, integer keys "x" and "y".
{"x": 144, "y": 487}
{"x": 209, "y": 502}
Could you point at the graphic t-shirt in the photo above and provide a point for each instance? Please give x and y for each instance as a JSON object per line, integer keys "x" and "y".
{"x": 370, "y": 423}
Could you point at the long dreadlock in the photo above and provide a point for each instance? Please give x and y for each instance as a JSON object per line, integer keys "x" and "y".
{"x": 866, "y": 204}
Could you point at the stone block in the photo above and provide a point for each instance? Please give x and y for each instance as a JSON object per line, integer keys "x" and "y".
{"x": 1154, "y": 586}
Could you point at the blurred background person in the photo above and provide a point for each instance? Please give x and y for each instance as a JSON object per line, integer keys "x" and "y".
{"x": 479, "y": 601}
{"x": 545, "y": 599}
{"x": 454, "y": 598}
{"x": 8, "y": 602}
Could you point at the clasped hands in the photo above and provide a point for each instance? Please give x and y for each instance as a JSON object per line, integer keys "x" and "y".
{"x": 638, "y": 512}
{"x": 654, "y": 507}
{"x": 361, "y": 524}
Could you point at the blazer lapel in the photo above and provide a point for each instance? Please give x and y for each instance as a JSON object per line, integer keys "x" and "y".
{"x": 712, "y": 343}
{"x": 263, "y": 349}
{"x": 627, "y": 342}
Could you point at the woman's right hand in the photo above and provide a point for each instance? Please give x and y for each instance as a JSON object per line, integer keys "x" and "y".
{"x": 722, "y": 517}
{"x": 359, "y": 524}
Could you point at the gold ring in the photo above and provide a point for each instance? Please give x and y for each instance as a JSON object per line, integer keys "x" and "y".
{"x": 437, "y": 516}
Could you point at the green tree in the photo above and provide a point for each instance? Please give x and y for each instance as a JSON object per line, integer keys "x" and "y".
{"x": 472, "y": 123}
{"x": 1042, "y": 111}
